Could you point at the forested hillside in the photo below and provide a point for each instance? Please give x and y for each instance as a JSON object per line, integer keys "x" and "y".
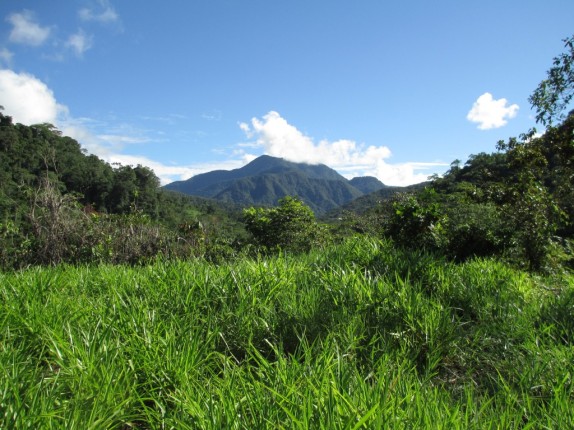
{"x": 266, "y": 180}
{"x": 31, "y": 155}
{"x": 58, "y": 203}
{"x": 516, "y": 203}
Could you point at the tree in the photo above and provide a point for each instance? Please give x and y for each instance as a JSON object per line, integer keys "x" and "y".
{"x": 417, "y": 220}
{"x": 291, "y": 225}
{"x": 553, "y": 94}
{"x": 558, "y": 147}
{"x": 147, "y": 195}
{"x": 124, "y": 190}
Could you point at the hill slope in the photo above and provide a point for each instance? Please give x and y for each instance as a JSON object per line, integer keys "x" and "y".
{"x": 267, "y": 179}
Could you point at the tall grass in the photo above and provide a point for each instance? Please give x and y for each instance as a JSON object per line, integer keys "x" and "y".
{"x": 360, "y": 335}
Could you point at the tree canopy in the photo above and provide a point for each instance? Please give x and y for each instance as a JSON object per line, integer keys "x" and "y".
{"x": 553, "y": 95}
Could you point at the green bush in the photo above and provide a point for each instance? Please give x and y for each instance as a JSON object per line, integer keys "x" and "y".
{"x": 290, "y": 226}
{"x": 475, "y": 230}
{"x": 416, "y": 221}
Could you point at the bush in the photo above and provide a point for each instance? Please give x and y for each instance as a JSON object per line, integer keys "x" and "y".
{"x": 416, "y": 221}
{"x": 475, "y": 229}
{"x": 290, "y": 226}
{"x": 61, "y": 231}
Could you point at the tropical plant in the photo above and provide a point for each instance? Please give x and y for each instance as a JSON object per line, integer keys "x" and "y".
{"x": 291, "y": 225}
{"x": 553, "y": 95}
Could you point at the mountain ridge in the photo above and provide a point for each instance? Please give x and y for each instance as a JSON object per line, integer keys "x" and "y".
{"x": 265, "y": 180}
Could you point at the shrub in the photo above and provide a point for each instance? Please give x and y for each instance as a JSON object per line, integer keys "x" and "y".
{"x": 291, "y": 226}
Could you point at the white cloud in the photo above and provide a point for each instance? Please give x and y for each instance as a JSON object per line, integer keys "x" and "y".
{"x": 76, "y": 129}
{"x": 278, "y": 138}
{"x": 106, "y": 14}
{"x": 79, "y": 42}
{"x": 401, "y": 174}
{"x": 105, "y": 146}
{"x": 27, "y": 99}
{"x": 169, "y": 173}
{"x": 5, "y": 57}
{"x": 490, "y": 113}
{"x": 117, "y": 139}
{"x": 281, "y": 139}
{"x": 26, "y": 31}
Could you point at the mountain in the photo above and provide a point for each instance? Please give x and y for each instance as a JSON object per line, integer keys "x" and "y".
{"x": 369, "y": 201}
{"x": 367, "y": 184}
{"x": 267, "y": 179}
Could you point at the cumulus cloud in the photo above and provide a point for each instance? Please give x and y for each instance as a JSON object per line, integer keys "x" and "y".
{"x": 489, "y": 113}
{"x": 79, "y": 42}
{"x": 105, "y": 14}
{"x": 26, "y": 31}
{"x": 278, "y": 138}
{"x": 27, "y": 99}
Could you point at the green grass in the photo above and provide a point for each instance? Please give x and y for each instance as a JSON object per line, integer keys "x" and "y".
{"x": 357, "y": 336}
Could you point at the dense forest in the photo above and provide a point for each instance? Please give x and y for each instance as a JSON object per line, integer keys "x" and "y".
{"x": 60, "y": 204}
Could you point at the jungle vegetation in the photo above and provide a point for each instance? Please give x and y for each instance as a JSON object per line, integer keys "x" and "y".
{"x": 127, "y": 306}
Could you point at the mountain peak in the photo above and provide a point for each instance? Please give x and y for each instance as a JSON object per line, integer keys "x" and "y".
{"x": 266, "y": 179}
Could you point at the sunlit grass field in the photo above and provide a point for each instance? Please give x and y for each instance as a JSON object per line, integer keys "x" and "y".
{"x": 356, "y": 336}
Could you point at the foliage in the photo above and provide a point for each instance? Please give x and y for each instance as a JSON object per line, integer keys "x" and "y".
{"x": 358, "y": 335}
{"x": 61, "y": 230}
{"x": 58, "y": 204}
{"x": 529, "y": 200}
{"x": 553, "y": 94}
{"x": 57, "y": 224}
{"x": 516, "y": 203}
{"x": 30, "y": 154}
{"x": 14, "y": 245}
{"x": 291, "y": 225}
{"x": 474, "y": 230}
{"x": 416, "y": 220}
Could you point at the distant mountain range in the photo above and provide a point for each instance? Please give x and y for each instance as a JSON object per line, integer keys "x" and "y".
{"x": 267, "y": 179}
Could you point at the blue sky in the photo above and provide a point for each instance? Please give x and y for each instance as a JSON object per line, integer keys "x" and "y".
{"x": 396, "y": 90}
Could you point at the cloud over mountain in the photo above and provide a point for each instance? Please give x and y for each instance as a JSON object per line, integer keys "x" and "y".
{"x": 278, "y": 138}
